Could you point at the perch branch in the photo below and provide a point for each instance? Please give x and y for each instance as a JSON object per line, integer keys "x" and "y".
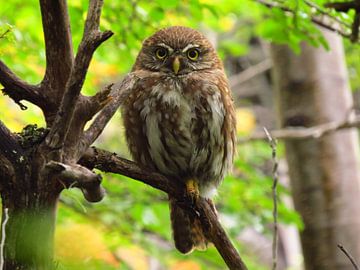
{"x": 304, "y": 133}
{"x": 18, "y": 89}
{"x": 110, "y": 162}
{"x": 78, "y": 176}
{"x": 92, "y": 38}
{"x": 348, "y": 255}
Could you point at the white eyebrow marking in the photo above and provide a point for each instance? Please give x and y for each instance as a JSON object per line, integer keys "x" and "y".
{"x": 190, "y": 46}
{"x": 166, "y": 46}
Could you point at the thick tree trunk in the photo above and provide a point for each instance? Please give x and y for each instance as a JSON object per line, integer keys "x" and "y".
{"x": 28, "y": 214}
{"x": 29, "y": 235}
{"x": 312, "y": 88}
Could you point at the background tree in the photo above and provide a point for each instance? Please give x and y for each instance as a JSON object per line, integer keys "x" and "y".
{"x": 312, "y": 89}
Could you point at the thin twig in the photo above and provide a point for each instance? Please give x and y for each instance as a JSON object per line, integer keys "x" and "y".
{"x": 323, "y": 12}
{"x": 3, "y": 236}
{"x": 250, "y": 73}
{"x": 5, "y": 33}
{"x": 298, "y": 133}
{"x": 347, "y": 254}
{"x": 273, "y": 144}
{"x": 313, "y": 18}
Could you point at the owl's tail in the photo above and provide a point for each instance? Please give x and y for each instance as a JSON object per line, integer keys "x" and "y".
{"x": 187, "y": 232}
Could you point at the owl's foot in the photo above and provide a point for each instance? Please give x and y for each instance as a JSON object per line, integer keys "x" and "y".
{"x": 192, "y": 190}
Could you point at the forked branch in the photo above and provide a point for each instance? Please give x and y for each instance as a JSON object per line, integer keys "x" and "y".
{"x": 92, "y": 38}
{"x": 110, "y": 162}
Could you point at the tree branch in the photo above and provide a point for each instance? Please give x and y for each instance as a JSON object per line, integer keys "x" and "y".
{"x": 78, "y": 176}
{"x": 314, "y": 19}
{"x": 348, "y": 255}
{"x": 116, "y": 97}
{"x": 273, "y": 145}
{"x": 92, "y": 38}
{"x": 58, "y": 44}
{"x": 344, "y": 6}
{"x": 18, "y": 89}
{"x": 10, "y": 147}
{"x": 250, "y": 73}
{"x": 110, "y": 162}
{"x": 299, "y": 133}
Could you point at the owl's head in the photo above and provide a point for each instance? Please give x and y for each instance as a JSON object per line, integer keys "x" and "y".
{"x": 177, "y": 50}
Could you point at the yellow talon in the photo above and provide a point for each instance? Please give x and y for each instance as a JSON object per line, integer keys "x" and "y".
{"x": 192, "y": 189}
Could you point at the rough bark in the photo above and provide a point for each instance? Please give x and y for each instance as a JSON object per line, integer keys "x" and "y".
{"x": 312, "y": 89}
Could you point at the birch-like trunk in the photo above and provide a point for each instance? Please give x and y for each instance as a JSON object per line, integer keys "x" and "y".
{"x": 311, "y": 89}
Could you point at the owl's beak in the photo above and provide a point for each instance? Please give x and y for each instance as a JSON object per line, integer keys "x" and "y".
{"x": 176, "y": 65}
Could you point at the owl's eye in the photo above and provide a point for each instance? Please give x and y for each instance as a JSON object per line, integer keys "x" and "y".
{"x": 193, "y": 54}
{"x": 161, "y": 53}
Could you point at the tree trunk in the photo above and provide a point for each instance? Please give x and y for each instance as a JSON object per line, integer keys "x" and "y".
{"x": 28, "y": 213}
{"x": 312, "y": 88}
{"x": 29, "y": 234}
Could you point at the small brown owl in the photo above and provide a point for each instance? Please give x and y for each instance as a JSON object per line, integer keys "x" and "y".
{"x": 179, "y": 120}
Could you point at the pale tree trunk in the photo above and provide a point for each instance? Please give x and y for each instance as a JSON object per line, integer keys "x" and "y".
{"x": 312, "y": 88}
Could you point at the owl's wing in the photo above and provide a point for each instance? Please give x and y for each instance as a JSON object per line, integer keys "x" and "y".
{"x": 213, "y": 130}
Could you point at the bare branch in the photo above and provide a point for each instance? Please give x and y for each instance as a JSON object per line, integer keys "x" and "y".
{"x": 117, "y": 95}
{"x": 59, "y": 50}
{"x": 348, "y": 255}
{"x": 304, "y": 133}
{"x": 19, "y": 90}
{"x": 92, "y": 38}
{"x": 78, "y": 176}
{"x": 273, "y": 144}
{"x": 250, "y": 73}
{"x": 110, "y": 162}
{"x": 97, "y": 102}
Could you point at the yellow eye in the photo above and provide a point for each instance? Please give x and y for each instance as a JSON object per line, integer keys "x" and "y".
{"x": 161, "y": 53}
{"x": 193, "y": 54}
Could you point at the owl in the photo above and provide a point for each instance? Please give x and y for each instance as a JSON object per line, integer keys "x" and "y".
{"x": 179, "y": 120}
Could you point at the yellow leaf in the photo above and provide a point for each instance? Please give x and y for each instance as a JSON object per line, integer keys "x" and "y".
{"x": 246, "y": 121}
